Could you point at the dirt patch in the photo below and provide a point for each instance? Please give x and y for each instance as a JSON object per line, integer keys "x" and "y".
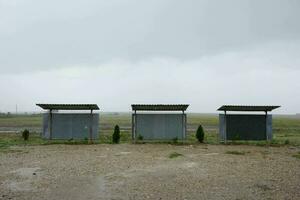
{"x": 129, "y": 171}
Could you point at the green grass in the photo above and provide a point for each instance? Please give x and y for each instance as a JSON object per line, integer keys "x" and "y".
{"x": 8, "y": 140}
{"x": 286, "y": 130}
{"x": 175, "y": 155}
{"x": 17, "y": 121}
{"x": 195, "y": 119}
{"x": 286, "y": 122}
{"x": 236, "y": 152}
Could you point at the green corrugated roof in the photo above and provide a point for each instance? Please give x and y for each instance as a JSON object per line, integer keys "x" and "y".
{"x": 69, "y": 106}
{"x": 160, "y": 107}
{"x": 247, "y": 108}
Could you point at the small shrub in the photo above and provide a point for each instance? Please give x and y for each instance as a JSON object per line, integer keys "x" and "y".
{"x": 236, "y": 152}
{"x": 274, "y": 141}
{"x": 175, "y": 140}
{"x": 237, "y": 137}
{"x": 286, "y": 141}
{"x": 25, "y": 134}
{"x": 175, "y": 155}
{"x": 116, "y": 135}
{"x": 140, "y": 137}
{"x": 200, "y": 134}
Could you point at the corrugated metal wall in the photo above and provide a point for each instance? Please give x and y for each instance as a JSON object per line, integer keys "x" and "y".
{"x": 70, "y": 125}
{"x": 160, "y": 126}
{"x": 245, "y": 127}
{"x": 269, "y": 127}
{"x": 222, "y": 128}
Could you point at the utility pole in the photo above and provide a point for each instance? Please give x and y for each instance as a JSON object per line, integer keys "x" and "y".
{"x": 16, "y": 109}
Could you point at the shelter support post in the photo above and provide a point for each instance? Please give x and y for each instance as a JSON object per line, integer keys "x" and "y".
{"x": 225, "y": 127}
{"x": 266, "y": 117}
{"x": 134, "y": 126}
{"x": 183, "y": 126}
{"x": 50, "y": 124}
{"x": 91, "y": 128}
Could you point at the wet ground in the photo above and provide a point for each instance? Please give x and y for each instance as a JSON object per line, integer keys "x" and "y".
{"x": 146, "y": 171}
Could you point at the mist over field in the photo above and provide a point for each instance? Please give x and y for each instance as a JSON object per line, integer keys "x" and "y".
{"x": 115, "y": 53}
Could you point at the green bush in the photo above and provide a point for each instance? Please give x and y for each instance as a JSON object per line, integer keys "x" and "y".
{"x": 25, "y": 134}
{"x": 140, "y": 137}
{"x": 286, "y": 141}
{"x": 175, "y": 155}
{"x": 236, "y": 152}
{"x": 116, "y": 135}
{"x": 237, "y": 137}
{"x": 175, "y": 140}
{"x": 200, "y": 134}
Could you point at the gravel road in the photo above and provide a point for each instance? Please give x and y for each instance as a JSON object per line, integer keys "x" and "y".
{"x": 145, "y": 171}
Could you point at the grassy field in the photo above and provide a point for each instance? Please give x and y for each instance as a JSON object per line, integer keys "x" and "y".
{"x": 286, "y": 129}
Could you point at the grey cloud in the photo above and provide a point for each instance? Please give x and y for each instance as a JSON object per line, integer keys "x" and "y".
{"x": 202, "y": 52}
{"x": 204, "y": 83}
{"x": 38, "y": 35}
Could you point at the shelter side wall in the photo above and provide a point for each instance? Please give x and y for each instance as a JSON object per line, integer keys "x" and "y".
{"x": 45, "y": 128}
{"x": 222, "y": 127}
{"x": 245, "y": 127}
{"x": 96, "y": 126}
{"x": 160, "y": 126}
{"x": 70, "y": 125}
{"x": 269, "y": 127}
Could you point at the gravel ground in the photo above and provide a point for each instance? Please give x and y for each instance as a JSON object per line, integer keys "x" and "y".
{"x": 145, "y": 171}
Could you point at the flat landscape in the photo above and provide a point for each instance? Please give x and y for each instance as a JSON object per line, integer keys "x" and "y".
{"x": 39, "y": 169}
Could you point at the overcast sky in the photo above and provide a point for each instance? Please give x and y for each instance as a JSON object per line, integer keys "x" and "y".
{"x": 114, "y": 53}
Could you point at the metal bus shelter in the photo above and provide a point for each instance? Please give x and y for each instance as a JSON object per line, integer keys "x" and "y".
{"x": 77, "y": 125}
{"x": 159, "y": 123}
{"x": 245, "y": 126}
